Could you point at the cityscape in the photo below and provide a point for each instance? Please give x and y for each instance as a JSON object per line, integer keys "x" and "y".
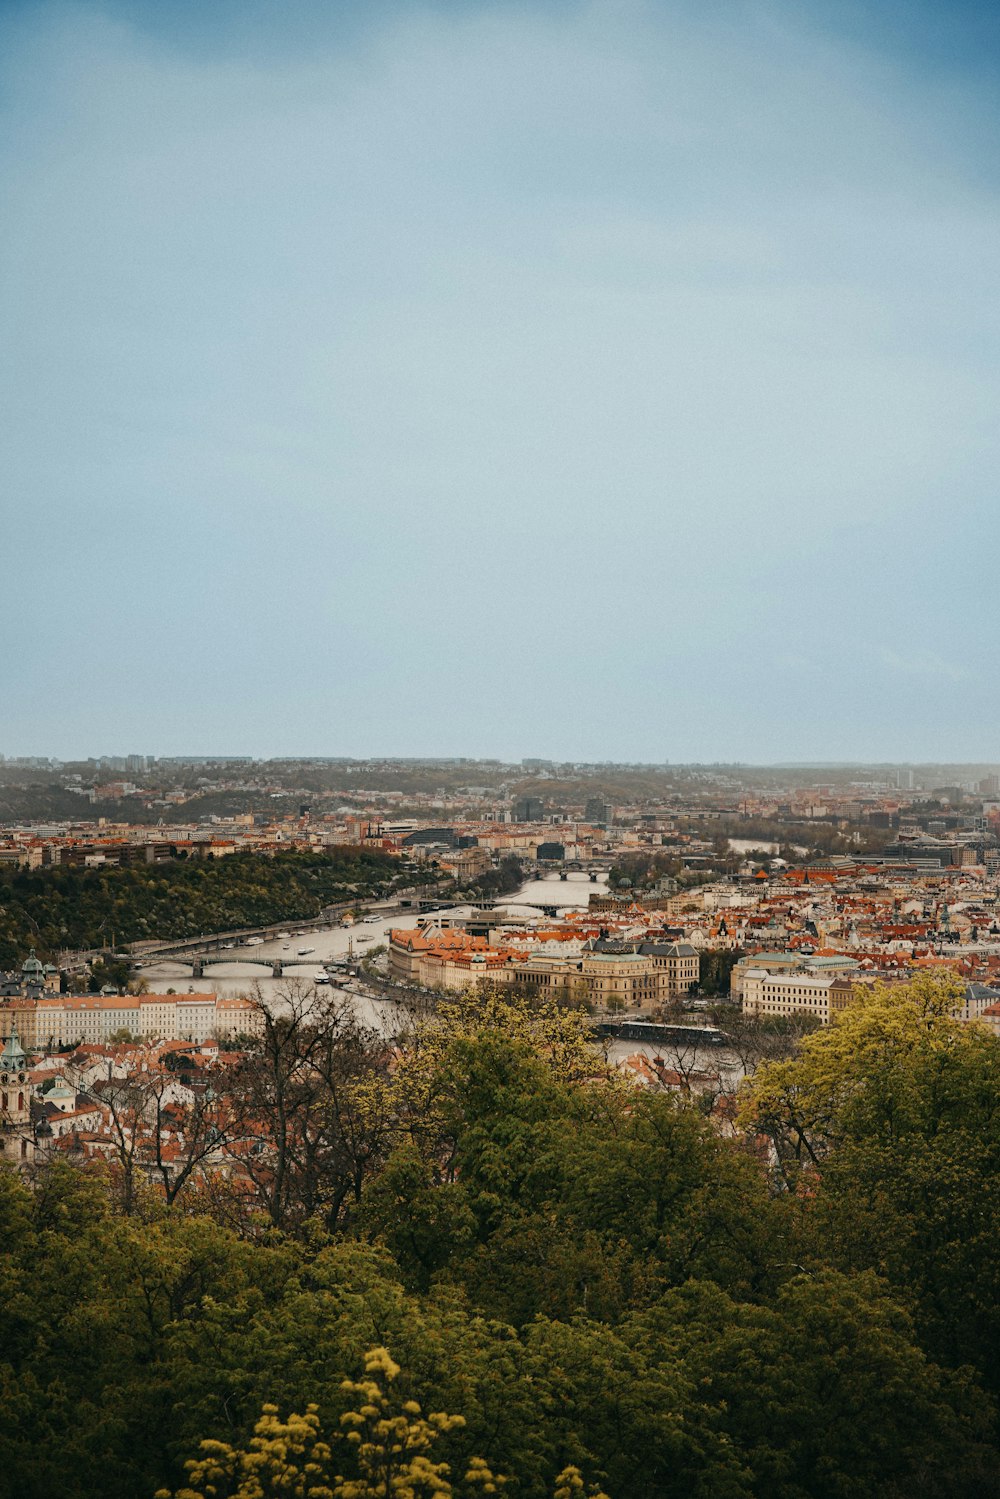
{"x": 499, "y": 756}
{"x": 696, "y": 920}
{"x": 307, "y": 1007}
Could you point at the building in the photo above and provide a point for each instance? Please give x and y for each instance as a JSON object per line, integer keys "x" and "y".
{"x": 17, "y": 1139}
{"x": 466, "y": 863}
{"x": 616, "y": 975}
{"x": 976, "y": 999}
{"x": 804, "y": 992}
{"x": 529, "y": 809}
{"x": 568, "y": 959}
{"x": 67, "y": 1020}
{"x": 831, "y": 964}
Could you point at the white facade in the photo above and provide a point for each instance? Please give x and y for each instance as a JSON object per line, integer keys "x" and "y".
{"x": 96, "y": 1018}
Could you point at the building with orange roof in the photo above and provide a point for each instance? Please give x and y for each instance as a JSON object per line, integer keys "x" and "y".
{"x": 66, "y": 1020}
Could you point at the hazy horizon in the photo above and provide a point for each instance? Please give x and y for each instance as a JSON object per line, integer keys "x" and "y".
{"x": 529, "y": 762}
{"x": 618, "y": 378}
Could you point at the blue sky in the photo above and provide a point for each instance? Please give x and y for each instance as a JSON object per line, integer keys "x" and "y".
{"x": 589, "y": 380}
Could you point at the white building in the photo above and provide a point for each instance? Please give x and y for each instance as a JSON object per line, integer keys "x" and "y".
{"x": 95, "y": 1018}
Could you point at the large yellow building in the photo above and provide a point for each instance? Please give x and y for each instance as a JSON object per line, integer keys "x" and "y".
{"x": 618, "y": 975}
{"x": 805, "y": 992}
{"x": 829, "y": 964}
{"x": 605, "y": 974}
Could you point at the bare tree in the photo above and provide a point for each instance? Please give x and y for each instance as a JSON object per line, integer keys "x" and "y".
{"x": 754, "y": 1039}
{"x": 306, "y": 1114}
{"x": 694, "y": 1058}
{"x": 161, "y": 1129}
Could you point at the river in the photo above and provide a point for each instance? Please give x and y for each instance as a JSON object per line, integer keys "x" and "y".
{"x": 235, "y": 975}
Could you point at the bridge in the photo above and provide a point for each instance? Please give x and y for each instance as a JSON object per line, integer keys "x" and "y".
{"x": 574, "y": 866}
{"x": 276, "y": 965}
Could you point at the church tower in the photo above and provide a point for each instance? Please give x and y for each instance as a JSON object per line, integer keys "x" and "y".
{"x": 32, "y": 977}
{"x": 17, "y": 1141}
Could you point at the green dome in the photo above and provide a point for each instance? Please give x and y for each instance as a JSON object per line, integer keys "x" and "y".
{"x": 13, "y": 1058}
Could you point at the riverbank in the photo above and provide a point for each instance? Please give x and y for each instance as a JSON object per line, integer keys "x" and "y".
{"x": 234, "y": 974}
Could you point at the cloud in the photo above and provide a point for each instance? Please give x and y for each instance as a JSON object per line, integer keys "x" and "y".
{"x": 489, "y": 333}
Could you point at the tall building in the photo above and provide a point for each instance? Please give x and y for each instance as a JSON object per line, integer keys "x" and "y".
{"x": 17, "y": 1141}
{"x": 529, "y": 809}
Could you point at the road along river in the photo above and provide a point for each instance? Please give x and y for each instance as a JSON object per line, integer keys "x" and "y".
{"x": 252, "y": 966}
{"x": 306, "y": 953}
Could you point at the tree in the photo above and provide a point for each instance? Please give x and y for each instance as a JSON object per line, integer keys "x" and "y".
{"x": 717, "y": 964}
{"x": 825, "y": 1392}
{"x": 385, "y": 1442}
{"x": 755, "y": 1039}
{"x": 308, "y": 1123}
{"x": 109, "y": 973}
{"x": 163, "y": 1130}
{"x": 854, "y": 1074}
{"x": 887, "y": 1129}
{"x": 693, "y": 1055}
{"x": 424, "y": 1223}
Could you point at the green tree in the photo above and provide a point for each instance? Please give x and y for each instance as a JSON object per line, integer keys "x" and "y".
{"x": 825, "y": 1392}
{"x": 384, "y": 1442}
{"x": 887, "y": 1129}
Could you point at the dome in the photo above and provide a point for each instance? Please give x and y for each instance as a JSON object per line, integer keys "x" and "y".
{"x": 31, "y": 966}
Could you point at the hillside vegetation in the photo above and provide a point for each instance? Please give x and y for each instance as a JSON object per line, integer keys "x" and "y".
{"x": 53, "y": 909}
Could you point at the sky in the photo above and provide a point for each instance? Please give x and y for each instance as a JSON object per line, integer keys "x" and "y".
{"x": 602, "y": 381}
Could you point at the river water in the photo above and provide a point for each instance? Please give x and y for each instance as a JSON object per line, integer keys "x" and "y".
{"x": 252, "y": 966}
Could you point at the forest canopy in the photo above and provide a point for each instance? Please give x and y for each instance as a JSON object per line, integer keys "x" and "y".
{"x": 491, "y": 1254}
{"x": 60, "y": 908}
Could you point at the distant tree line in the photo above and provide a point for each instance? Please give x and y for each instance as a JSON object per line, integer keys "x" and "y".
{"x": 504, "y": 880}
